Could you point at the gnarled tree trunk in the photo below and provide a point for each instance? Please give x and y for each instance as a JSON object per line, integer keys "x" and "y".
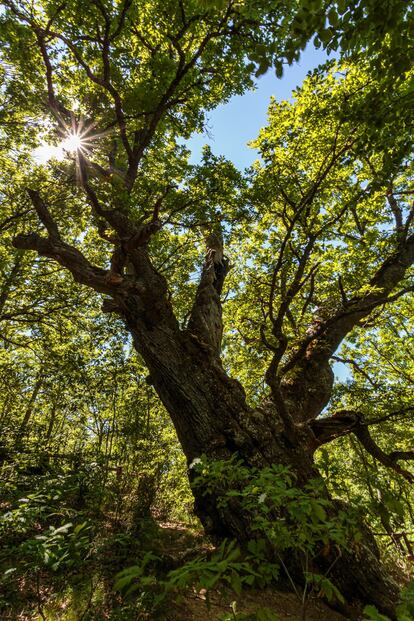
{"x": 181, "y": 77}
{"x": 211, "y": 416}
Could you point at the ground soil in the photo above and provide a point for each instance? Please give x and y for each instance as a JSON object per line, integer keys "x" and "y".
{"x": 179, "y": 542}
{"x": 285, "y": 605}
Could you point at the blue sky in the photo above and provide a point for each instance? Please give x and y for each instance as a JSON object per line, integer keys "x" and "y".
{"x": 232, "y": 125}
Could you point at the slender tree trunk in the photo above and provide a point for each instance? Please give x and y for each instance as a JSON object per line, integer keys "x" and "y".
{"x": 8, "y": 283}
{"x": 52, "y": 420}
{"x": 29, "y": 409}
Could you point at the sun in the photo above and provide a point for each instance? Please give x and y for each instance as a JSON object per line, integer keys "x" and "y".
{"x": 72, "y": 143}
{"x": 77, "y": 140}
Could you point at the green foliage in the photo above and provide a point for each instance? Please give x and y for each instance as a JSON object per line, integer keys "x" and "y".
{"x": 59, "y": 548}
{"x": 407, "y": 600}
{"x": 324, "y": 587}
{"x": 372, "y": 614}
{"x": 65, "y": 535}
{"x": 290, "y": 518}
{"x": 284, "y": 519}
{"x": 225, "y": 568}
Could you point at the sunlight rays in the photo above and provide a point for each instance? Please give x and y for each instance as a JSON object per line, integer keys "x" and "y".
{"x": 77, "y": 141}
{"x": 72, "y": 143}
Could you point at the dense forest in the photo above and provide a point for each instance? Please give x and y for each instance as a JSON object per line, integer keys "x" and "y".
{"x": 176, "y": 441}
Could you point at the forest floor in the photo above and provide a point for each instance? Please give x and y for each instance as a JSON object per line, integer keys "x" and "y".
{"x": 174, "y": 545}
{"x": 179, "y": 541}
{"x": 285, "y": 606}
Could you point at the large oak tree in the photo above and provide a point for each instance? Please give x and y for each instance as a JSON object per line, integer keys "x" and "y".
{"x": 306, "y": 250}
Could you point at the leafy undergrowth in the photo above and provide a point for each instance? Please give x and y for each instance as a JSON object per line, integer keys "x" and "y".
{"x": 89, "y": 596}
{"x": 252, "y": 604}
{"x": 66, "y": 557}
{"x": 266, "y": 605}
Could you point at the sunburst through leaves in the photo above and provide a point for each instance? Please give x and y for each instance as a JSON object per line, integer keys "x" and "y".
{"x": 76, "y": 140}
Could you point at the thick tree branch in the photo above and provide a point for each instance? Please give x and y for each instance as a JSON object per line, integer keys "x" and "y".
{"x": 206, "y": 316}
{"x": 301, "y": 214}
{"x": 55, "y": 248}
{"x": 10, "y": 221}
{"x": 396, "y": 414}
{"x": 388, "y": 460}
{"x": 401, "y": 455}
{"x": 129, "y": 239}
{"x": 306, "y": 378}
{"x": 103, "y": 81}
{"x": 58, "y": 109}
{"x": 397, "y": 212}
{"x": 44, "y": 215}
{"x": 298, "y": 281}
{"x": 143, "y": 137}
{"x": 118, "y": 220}
{"x": 345, "y": 422}
{"x": 340, "y": 424}
{"x": 126, "y": 5}
{"x": 69, "y": 257}
{"x": 131, "y": 234}
{"x": 357, "y": 367}
{"x": 330, "y": 333}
